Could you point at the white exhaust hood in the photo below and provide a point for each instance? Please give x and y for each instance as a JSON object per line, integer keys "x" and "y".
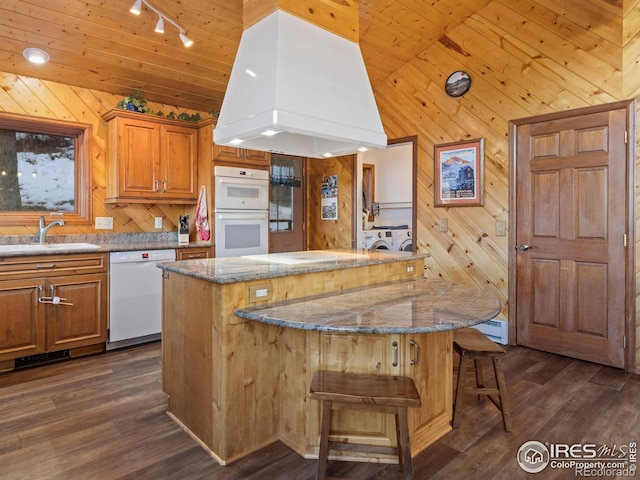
{"x": 298, "y": 89}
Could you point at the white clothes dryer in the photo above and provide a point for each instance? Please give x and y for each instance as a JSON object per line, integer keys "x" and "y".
{"x": 377, "y": 239}
{"x": 402, "y": 241}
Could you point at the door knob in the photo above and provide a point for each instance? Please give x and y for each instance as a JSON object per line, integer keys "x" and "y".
{"x": 524, "y": 247}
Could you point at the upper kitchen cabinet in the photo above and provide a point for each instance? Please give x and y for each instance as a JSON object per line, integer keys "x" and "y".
{"x": 243, "y": 156}
{"x": 150, "y": 159}
{"x": 221, "y": 154}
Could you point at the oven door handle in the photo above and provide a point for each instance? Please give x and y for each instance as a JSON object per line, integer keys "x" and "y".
{"x": 244, "y": 182}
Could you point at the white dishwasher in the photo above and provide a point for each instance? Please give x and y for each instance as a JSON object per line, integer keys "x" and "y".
{"x": 135, "y": 296}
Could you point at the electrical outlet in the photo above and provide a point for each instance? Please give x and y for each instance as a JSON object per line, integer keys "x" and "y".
{"x": 158, "y": 223}
{"x": 443, "y": 224}
{"x": 259, "y": 292}
{"x": 104, "y": 223}
{"x": 501, "y": 229}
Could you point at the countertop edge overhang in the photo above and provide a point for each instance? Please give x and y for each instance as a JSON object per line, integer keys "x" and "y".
{"x": 105, "y": 243}
{"x": 406, "y": 307}
{"x": 248, "y": 268}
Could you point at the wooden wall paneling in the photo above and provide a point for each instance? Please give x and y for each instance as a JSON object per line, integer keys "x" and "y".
{"x": 7, "y": 102}
{"x": 573, "y": 90}
{"x": 323, "y": 234}
{"x": 557, "y": 51}
{"x": 591, "y": 28}
{"x": 504, "y": 71}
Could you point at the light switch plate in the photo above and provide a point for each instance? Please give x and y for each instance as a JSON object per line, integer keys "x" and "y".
{"x": 104, "y": 223}
{"x": 501, "y": 229}
{"x": 158, "y": 222}
{"x": 443, "y": 224}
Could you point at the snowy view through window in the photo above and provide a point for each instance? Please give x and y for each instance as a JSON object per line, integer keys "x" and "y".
{"x": 46, "y": 172}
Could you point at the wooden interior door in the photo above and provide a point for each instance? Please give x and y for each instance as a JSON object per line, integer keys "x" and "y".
{"x": 571, "y": 235}
{"x": 286, "y": 204}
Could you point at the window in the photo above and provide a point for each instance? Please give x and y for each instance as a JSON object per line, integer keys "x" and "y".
{"x": 45, "y": 169}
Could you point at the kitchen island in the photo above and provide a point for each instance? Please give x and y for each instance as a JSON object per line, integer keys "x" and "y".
{"x": 237, "y": 371}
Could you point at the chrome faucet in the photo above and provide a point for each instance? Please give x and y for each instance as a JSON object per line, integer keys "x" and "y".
{"x": 42, "y": 235}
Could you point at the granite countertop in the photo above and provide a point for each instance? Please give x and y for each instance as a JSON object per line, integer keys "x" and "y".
{"x": 258, "y": 267}
{"x": 416, "y": 306}
{"x": 100, "y": 243}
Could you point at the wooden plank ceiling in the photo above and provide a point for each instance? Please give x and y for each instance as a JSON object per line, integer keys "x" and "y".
{"x": 98, "y": 44}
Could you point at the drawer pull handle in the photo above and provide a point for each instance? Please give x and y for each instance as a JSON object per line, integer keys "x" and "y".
{"x": 40, "y": 266}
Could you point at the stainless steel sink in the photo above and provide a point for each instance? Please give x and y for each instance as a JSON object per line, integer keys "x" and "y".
{"x": 46, "y": 247}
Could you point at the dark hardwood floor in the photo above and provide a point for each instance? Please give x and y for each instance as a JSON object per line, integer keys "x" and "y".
{"x": 104, "y": 417}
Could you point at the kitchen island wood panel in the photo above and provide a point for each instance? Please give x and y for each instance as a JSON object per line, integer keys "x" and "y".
{"x": 238, "y": 380}
{"x": 225, "y": 376}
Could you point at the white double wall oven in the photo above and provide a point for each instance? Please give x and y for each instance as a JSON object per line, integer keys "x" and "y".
{"x": 241, "y": 214}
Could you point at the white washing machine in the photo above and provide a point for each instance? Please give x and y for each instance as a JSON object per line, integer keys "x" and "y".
{"x": 377, "y": 239}
{"x": 402, "y": 241}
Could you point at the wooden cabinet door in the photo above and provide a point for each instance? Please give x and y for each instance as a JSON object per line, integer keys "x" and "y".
{"x": 138, "y": 158}
{"x": 254, "y": 157}
{"x": 22, "y": 324}
{"x": 227, "y": 154}
{"x": 150, "y": 159}
{"x": 241, "y": 156}
{"x": 81, "y": 318}
{"x": 430, "y": 373}
{"x": 373, "y": 354}
{"x": 178, "y": 162}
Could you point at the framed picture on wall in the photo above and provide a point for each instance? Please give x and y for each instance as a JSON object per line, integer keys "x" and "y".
{"x": 459, "y": 173}
{"x": 330, "y": 197}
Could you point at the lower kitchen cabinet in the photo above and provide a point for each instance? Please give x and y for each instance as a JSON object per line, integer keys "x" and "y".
{"x": 80, "y": 317}
{"x": 428, "y": 359}
{"x": 407, "y": 355}
{"x": 371, "y": 354}
{"x": 192, "y": 253}
{"x": 53, "y": 303}
{"x": 22, "y": 323}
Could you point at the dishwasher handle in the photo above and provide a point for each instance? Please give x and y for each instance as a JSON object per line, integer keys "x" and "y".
{"x": 142, "y": 256}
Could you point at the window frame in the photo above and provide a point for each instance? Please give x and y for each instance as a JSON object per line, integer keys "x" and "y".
{"x": 83, "y": 134}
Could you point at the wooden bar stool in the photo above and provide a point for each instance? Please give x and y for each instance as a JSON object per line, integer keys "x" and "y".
{"x": 472, "y": 344}
{"x": 379, "y": 393}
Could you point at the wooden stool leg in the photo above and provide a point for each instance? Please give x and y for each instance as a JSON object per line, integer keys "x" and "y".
{"x": 477, "y": 363}
{"x": 502, "y": 388}
{"x": 323, "y": 453}
{"x": 459, "y": 391}
{"x": 403, "y": 442}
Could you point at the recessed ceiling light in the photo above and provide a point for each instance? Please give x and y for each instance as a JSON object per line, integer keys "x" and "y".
{"x": 36, "y": 55}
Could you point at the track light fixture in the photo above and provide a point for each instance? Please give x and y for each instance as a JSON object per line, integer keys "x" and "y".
{"x": 136, "y": 8}
{"x": 160, "y": 25}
